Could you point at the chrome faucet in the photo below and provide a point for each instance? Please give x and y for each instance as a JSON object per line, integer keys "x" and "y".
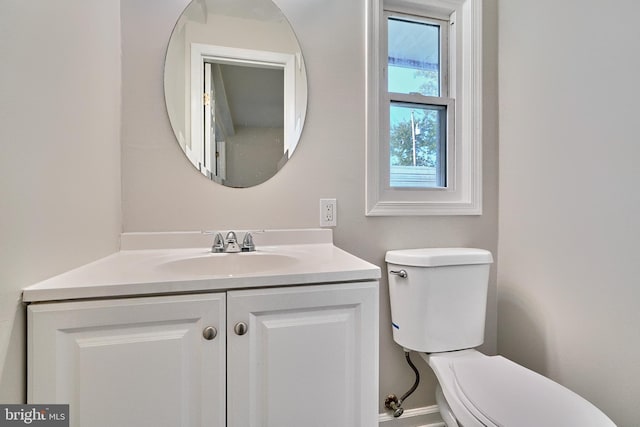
{"x": 231, "y": 246}
{"x": 230, "y": 243}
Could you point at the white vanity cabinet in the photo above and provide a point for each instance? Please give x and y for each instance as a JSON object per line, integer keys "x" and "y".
{"x": 281, "y": 357}
{"x": 130, "y": 362}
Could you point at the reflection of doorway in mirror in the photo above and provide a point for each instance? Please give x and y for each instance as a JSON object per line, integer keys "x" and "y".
{"x": 216, "y": 129}
{"x": 244, "y": 122}
{"x": 244, "y": 117}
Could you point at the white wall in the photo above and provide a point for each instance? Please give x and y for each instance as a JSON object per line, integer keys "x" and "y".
{"x": 569, "y": 199}
{"x": 162, "y": 191}
{"x": 59, "y": 153}
{"x": 252, "y": 155}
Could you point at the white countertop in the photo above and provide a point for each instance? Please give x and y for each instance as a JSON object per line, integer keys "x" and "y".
{"x": 153, "y": 271}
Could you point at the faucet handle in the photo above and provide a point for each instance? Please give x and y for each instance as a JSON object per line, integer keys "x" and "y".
{"x": 247, "y": 243}
{"x": 218, "y": 244}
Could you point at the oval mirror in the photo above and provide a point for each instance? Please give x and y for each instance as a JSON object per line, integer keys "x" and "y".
{"x": 235, "y": 86}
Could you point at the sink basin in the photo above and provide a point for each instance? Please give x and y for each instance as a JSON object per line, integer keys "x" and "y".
{"x": 225, "y": 264}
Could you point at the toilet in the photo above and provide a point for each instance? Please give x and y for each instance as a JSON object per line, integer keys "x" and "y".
{"x": 438, "y": 305}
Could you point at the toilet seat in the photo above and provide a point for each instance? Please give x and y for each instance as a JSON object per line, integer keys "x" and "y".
{"x": 495, "y": 391}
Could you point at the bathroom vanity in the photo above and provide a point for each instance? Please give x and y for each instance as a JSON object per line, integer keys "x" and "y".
{"x": 166, "y": 333}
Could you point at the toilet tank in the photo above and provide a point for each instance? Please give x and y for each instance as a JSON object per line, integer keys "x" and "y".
{"x": 441, "y": 303}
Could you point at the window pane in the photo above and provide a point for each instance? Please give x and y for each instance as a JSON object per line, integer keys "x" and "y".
{"x": 417, "y": 147}
{"x": 414, "y": 57}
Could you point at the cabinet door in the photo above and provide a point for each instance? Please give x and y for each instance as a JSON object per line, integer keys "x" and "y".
{"x": 309, "y": 356}
{"x": 130, "y": 362}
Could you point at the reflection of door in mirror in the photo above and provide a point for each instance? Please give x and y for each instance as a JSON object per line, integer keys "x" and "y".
{"x": 217, "y": 125}
{"x": 208, "y": 149}
{"x": 242, "y": 124}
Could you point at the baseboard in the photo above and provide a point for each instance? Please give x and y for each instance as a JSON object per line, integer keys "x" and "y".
{"x": 428, "y": 416}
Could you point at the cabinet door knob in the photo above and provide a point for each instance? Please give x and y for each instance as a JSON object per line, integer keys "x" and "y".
{"x": 209, "y": 333}
{"x": 240, "y": 328}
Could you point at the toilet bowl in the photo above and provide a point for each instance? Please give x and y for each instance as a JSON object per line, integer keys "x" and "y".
{"x": 438, "y": 304}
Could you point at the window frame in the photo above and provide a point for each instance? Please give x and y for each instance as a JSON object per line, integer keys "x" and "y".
{"x": 404, "y": 14}
{"x": 463, "y": 192}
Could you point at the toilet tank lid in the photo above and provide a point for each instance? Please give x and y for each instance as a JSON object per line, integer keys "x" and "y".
{"x": 436, "y": 257}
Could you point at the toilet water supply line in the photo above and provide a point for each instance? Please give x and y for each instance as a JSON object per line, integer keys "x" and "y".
{"x": 392, "y": 402}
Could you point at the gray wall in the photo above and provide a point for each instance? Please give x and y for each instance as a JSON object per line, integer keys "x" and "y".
{"x": 59, "y": 153}
{"x": 569, "y": 199}
{"x": 162, "y": 191}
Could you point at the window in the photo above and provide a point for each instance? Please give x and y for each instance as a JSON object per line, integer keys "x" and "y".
{"x": 418, "y": 106}
{"x": 424, "y": 107}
